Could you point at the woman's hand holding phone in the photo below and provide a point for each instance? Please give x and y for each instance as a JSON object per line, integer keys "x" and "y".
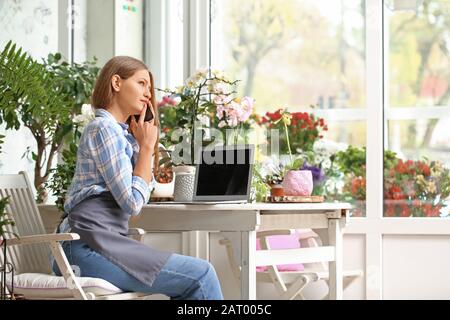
{"x": 145, "y": 132}
{"x": 148, "y": 114}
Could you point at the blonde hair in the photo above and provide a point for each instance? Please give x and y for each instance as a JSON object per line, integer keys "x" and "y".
{"x": 125, "y": 67}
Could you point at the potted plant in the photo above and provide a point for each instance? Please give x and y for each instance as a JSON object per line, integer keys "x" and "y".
{"x": 165, "y": 180}
{"x": 274, "y": 180}
{"x": 203, "y": 101}
{"x": 43, "y": 99}
{"x": 296, "y": 182}
{"x": 302, "y": 129}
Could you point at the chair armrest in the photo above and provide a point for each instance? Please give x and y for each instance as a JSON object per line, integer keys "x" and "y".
{"x": 306, "y": 234}
{"x": 42, "y": 238}
{"x": 137, "y": 234}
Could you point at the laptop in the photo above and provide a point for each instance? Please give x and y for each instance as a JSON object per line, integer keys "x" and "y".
{"x": 223, "y": 175}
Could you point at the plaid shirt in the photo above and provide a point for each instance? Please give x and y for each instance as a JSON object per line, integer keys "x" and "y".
{"x": 106, "y": 157}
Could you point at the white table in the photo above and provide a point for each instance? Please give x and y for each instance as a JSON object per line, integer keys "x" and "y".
{"x": 246, "y": 219}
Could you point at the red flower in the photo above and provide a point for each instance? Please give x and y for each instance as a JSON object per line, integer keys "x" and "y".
{"x": 405, "y": 210}
{"x": 358, "y": 185}
{"x": 396, "y": 193}
{"x": 423, "y": 168}
{"x": 428, "y": 210}
{"x": 390, "y": 210}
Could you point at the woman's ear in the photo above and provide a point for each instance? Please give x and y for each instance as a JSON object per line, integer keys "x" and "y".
{"x": 116, "y": 81}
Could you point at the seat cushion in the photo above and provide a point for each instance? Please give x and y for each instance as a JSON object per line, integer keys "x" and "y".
{"x": 282, "y": 242}
{"x": 45, "y": 286}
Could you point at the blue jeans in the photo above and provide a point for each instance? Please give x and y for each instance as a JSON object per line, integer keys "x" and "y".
{"x": 182, "y": 277}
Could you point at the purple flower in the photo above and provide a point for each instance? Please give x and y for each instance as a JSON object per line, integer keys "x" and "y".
{"x": 317, "y": 173}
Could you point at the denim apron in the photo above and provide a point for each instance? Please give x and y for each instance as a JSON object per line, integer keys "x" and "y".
{"x": 103, "y": 226}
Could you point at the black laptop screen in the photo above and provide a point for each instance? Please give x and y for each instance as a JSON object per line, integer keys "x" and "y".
{"x": 223, "y": 172}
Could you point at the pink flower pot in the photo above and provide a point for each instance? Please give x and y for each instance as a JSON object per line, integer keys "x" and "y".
{"x": 298, "y": 183}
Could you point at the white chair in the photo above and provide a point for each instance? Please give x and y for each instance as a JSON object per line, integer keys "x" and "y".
{"x": 30, "y": 253}
{"x": 290, "y": 284}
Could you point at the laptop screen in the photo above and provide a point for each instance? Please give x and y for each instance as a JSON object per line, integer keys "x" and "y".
{"x": 224, "y": 173}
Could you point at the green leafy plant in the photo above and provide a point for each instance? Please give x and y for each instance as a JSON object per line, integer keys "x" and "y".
{"x": 352, "y": 161}
{"x": 2, "y": 137}
{"x": 260, "y": 188}
{"x": 43, "y": 99}
{"x": 207, "y": 99}
{"x": 62, "y": 175}
{"x": 5, "y": 220}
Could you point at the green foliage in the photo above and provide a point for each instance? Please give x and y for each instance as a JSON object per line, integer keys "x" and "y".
{"x": 260, "y": 188}
{"x": 62, "y": 175}
{"x": 4, "y": 220}
{"x": 44, "y": 98}
{"x": 2, "y": 137}
{"x": 26, "y": 96}
{"x": 352, "y": 160}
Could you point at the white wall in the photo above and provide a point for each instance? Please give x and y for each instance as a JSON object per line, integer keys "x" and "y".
{"x": 416, "y": 267}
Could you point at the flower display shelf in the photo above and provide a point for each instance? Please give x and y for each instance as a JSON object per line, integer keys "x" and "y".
{"x": 295, "y": 199}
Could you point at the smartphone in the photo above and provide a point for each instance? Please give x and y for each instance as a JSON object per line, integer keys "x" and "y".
{"x": 148, "y": 115}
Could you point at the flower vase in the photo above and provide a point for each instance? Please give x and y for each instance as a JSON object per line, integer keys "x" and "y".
{"x": 298, "y": 183}
{"x": 184, "y": 183}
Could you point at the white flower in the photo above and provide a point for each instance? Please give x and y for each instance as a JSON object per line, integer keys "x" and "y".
{"x": 86, "y": 116}
{"x": 201, "y": 73}
{"x": 177, "y": 99}
{"x": 270, "y": 166}
{"x": 179, "y": 89}
{"x": 204, "y": 119}
{"x": 445, "y": 210}
{"x": 218, "y": 74}
{"x": 329, "y": 147}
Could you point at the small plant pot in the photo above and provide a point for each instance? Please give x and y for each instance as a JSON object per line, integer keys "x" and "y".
{"x": 164, "y": 190}
{"x": 298, "y": 183}
{"x": 277, "y": 190}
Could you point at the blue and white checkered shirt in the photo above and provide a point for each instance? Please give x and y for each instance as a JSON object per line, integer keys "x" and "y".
{"x": 106, "y": 157}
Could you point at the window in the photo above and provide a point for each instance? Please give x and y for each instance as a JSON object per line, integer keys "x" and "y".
{"x": 165, "y": 47}
{"x": 303, "y": 55}
{"x": 418, "y": 116}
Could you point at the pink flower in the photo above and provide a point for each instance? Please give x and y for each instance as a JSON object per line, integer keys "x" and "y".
{"x": 247, "y": 104}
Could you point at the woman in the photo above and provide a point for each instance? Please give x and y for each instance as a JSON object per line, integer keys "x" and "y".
{"x": 112, "y": 182}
